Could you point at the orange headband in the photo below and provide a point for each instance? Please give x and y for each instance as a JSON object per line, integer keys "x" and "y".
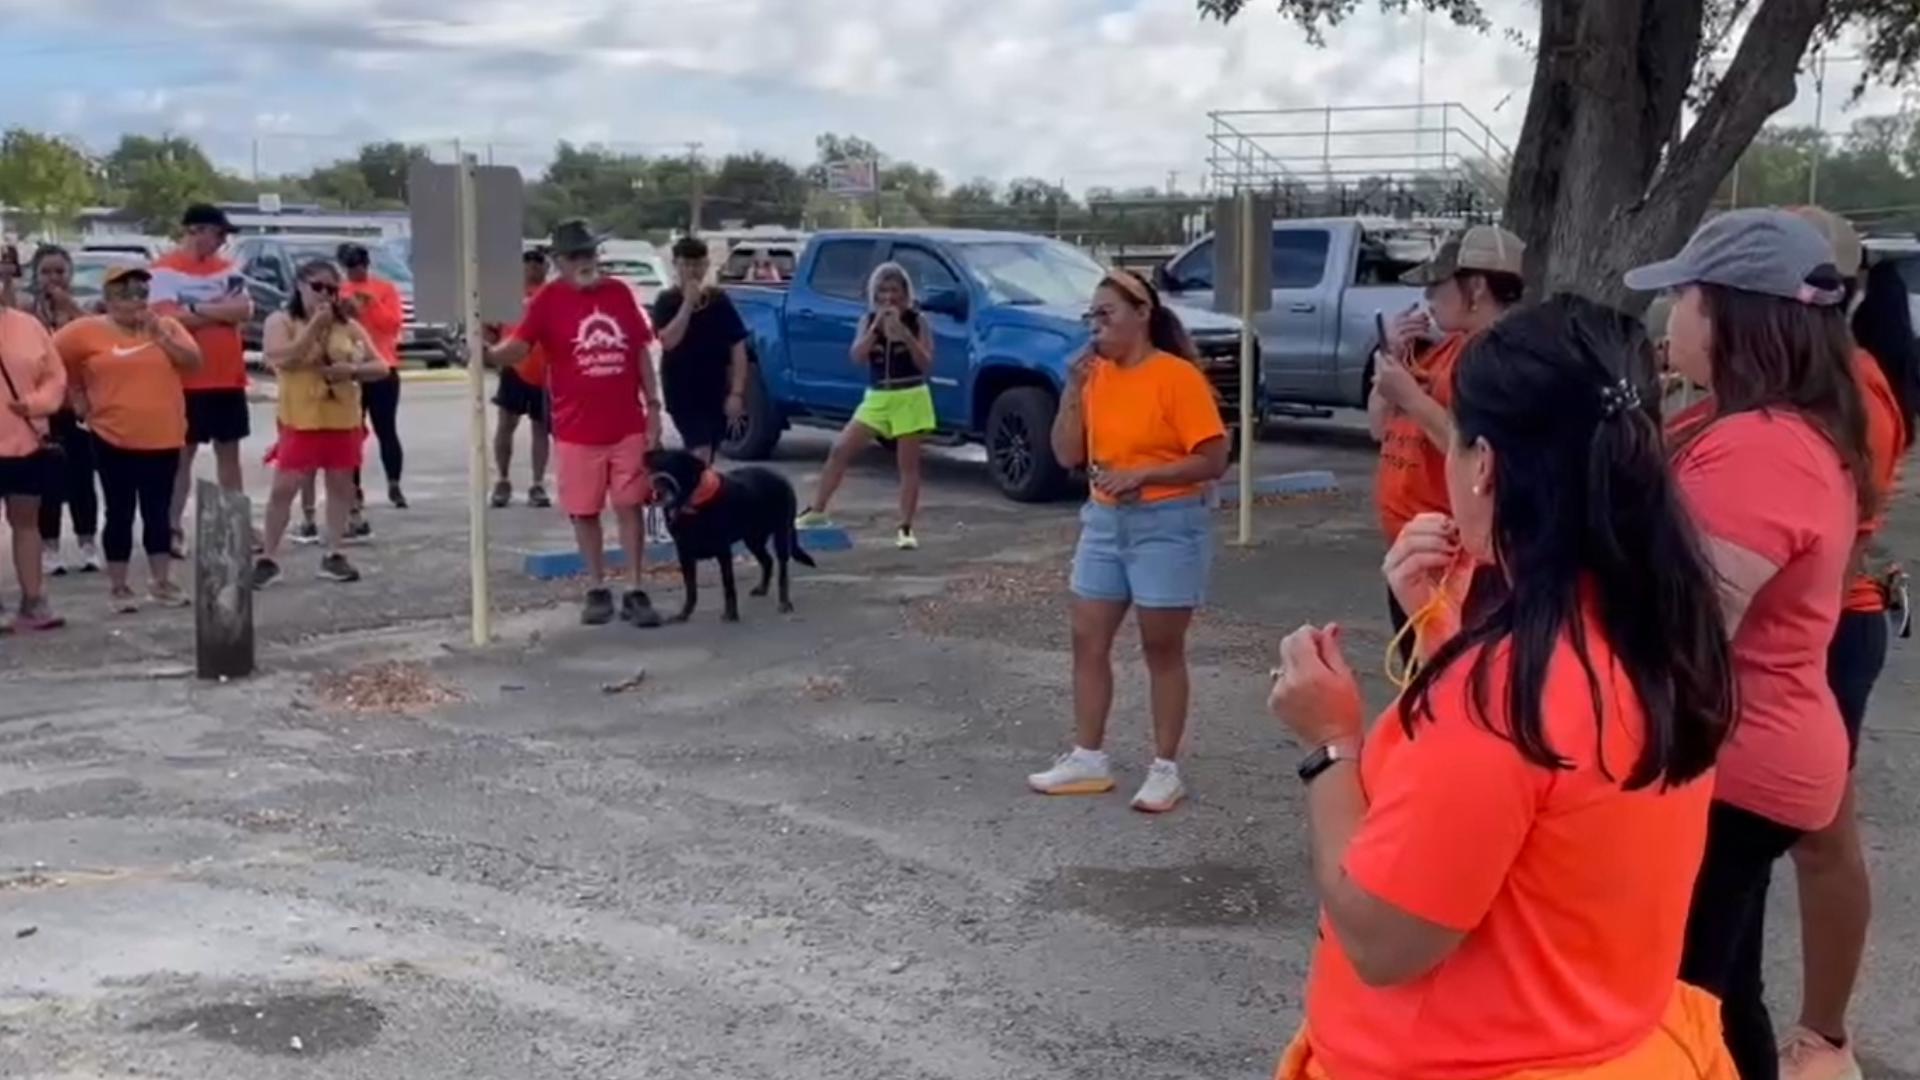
{"x": 1133, "y": 285}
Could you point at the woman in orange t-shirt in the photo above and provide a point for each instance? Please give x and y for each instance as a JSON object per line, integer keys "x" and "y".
{"x": 124, "y": 375}
{"x": 1143, "y": 420}
{"x": 1505, "y": 861}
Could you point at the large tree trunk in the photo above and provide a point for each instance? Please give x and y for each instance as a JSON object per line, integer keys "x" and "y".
{"x": 1590, "y": 192}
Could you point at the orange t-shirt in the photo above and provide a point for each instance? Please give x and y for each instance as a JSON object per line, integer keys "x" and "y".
{"x": 384, "y": 317}
{"x": 180, "y": 279}
{"x": 1887, "y": 441}
{"x": 133, "y": 392}
{"x": 1412, "y": 478}
{"x": 1572, "y": 892}
{"x": 1155, "y": 412}
{"x": 533, "y": 368}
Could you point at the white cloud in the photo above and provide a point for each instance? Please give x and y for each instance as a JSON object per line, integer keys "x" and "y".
{"x": 1111, "y": 92}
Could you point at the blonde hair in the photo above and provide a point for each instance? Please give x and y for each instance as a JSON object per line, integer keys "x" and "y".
{"x": 890, "y": 271}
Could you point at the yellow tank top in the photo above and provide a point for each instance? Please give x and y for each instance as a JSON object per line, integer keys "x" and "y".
{"x": 308, "y": 402}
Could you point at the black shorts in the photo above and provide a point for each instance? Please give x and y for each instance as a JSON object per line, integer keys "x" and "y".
{"x": 700, "y": 426}
{"x": 1854, "y": 662}
{"x": 28, "y": 475}
{"x": 218, "y": 416}
{"x": 521, "y": 398}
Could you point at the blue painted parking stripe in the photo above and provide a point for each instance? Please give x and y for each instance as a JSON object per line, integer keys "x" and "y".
{"x": 554, "y": 565}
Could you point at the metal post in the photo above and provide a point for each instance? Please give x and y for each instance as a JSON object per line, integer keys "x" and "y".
{"x": 1247, "y": 277}
{"x": 467, "y": 263}
{"x": 1819, "y": 130}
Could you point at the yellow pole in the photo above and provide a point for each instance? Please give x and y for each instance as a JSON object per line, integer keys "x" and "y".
{"x": 1247, "y": 279}
{"x": 467, "y": 247}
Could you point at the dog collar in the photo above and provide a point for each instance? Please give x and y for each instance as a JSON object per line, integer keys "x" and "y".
{"x": 707, "y": 490}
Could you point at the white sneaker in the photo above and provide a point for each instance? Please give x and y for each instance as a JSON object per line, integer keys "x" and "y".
{"x": 1076, "y": 772}
{"x": 51, "y": 564}
{"x": 1163, "y": 790}
{"x": 89, "y": 557}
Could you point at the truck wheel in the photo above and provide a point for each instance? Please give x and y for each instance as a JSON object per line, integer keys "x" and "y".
{"x": 754, "y": 438}
{"x": 1020, "y": 446}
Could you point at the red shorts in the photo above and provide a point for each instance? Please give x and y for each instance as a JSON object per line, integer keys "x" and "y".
{"x": 317, "y": 451}
{"x": 595, "y": 477}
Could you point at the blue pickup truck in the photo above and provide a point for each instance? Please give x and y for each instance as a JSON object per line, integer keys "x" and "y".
{"x": 1006, "y": 311}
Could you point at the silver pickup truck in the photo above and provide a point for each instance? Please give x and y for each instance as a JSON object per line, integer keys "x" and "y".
{"x": 1331, "y": 276}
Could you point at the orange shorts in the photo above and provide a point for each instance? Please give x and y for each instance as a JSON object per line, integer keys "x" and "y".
{"x": 319, "y": 451}
{"x": 593, "y": 478}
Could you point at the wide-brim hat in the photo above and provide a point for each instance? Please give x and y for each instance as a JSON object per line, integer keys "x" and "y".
{"x": 574, "y": 237}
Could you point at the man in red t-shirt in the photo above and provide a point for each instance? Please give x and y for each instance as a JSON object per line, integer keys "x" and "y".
{"x": 603, "y": 408}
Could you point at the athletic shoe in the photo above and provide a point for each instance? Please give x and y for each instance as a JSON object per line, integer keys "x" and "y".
{"x": 89, "y": 557}
{"x": 335, "y": 567}
{"x": 598, "y": 610}
{"x": 904, "y": 539}
{"x": 265, "y": 573}
{"x": 397, "y": 497}
{"x": 536, "y": 498}
{"x": 502, "y": 494}
{"x": 1807, "y": 1055}
{"x": 1076, "y": 772}
{"x": 123, "y": 602}
{"x": 169, "y": 595}
{"x": 1162, "y": 791}
{"x": 51, "y": 564}
{"x": 637, "y": 608}
{"x": 306, "y": 534}
{"x": 359, "y": 531}
{"x": 37, "y": 615}
{"x": 812, "y": 519}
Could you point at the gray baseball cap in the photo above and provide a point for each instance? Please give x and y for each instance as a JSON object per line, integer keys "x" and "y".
{"x": 1770, "y": 252}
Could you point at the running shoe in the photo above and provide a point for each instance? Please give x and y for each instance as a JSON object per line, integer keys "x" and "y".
{"x": 37, "y": 615}
{"x": 359, "y": 531}
{"x": 904, "y": 539}
{"x": 89, "y": 557}
{"x": 637, "y": 608}
{"x": 1076, "y": 772}
{"x": 306, "y": 534}
{"x": 1807, "y": 1055}
{"x": 812, "y": 519}
{"x": 168, "y": 595}
{"x": 51, "y": 564}
{"x": 265, "y": 573}
{"x": 536, "y": 498}
{"x": 123, "y": 602}
{"x": 502, "y": 494}
{"x": 335, "y": 567}
{"x": 1163, "y": 790}
{"x": 397, "y": 497}
{"x": 598, "y": 610}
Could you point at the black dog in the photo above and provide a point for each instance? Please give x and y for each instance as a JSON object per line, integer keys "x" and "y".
{"x": 709, "y": 511}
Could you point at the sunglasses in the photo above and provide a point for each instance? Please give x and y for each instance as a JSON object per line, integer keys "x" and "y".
{"x": 324, "y": 288}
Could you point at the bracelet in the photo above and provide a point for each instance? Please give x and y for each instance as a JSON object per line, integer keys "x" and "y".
{"x": 1326, "y": 757}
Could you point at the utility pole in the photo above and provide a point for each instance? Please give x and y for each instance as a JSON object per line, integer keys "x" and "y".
{"x": 1173, "y": 182}
{"x": 698, "y": 195}
{"x": 1819, "y": 130}
{"x": 256, "y": 161}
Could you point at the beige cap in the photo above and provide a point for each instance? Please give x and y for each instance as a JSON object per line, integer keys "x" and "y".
{"x": 1483, "y": 248}
{"x": 1849, "y": 254}
{"x": 122, "y": 271}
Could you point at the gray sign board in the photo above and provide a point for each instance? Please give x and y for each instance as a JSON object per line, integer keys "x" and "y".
{"x": 499, "y": 221}
{"x": 1230, "y": 225}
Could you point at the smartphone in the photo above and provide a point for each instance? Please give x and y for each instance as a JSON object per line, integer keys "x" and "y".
{"x": 1380, "y": 329}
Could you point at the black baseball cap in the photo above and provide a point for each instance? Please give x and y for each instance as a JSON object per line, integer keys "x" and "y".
{"x": 206, "y": 214}
{"x": 352, "y": 254}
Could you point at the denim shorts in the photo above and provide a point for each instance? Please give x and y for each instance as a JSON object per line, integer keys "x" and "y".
{"x": 1156, "y": 555}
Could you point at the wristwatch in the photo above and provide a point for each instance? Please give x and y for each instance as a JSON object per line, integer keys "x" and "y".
{"x": 1327, "y": 757}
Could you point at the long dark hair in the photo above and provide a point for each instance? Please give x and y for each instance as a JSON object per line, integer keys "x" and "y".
{"x": 1165, "y": 331}
{"x": 44, "y": 252}
{"x": 1773, "y": 353}
{"x": 1585, "y": 509}
{"x": 297, "y": 304}
{"x": 1883, "y": 325}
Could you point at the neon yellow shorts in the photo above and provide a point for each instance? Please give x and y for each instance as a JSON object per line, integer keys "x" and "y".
{"x": 895, "y": 414}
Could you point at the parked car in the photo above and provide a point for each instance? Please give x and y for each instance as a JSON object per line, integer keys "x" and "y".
{"x": 638, "y": 263}
{"x": 1905, "y": 251}
{"x": 90, "y": 272}
{"x": 143, "y": 247}
{"x": 1330, "y": 278}
{"x": 1006, "y": 310}
{"x": 783, "y": 254}
{"x": 270, "y": 261}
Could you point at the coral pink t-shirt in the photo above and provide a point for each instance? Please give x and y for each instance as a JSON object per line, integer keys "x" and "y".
{"x": 1770, "y": 483}
{"x": 595, "y": 341}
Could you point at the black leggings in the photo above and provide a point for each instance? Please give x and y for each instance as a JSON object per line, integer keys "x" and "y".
{"x": 380, "y": 401}
{"x": 71, "y": 486}
{"x": 133, "y": 480}
{"x": 1726, "y": 931}
{"x": 1854, "y": 662}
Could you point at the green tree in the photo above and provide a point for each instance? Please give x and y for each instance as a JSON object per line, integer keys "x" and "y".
{"x": 1603, "y": 177}
{"x": 757, "y": 189}
{"x": 385, "y": 166}
{"x": 44, "y": 178}
{"x": 156, "y": 179}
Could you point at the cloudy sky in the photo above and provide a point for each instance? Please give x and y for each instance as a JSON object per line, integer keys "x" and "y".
{"x": 1093, "y": 92}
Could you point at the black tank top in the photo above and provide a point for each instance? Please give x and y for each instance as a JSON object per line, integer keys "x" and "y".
{"x": 890, "y": 364}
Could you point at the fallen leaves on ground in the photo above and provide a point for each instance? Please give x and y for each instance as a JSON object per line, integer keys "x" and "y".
{"x": 386, "y": 687}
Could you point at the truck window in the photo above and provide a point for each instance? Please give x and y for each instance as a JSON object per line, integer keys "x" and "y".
{"x": 841, "y": 267}
{"x": 1300, "y": 257}
{"x": 925, "y": 270}
{"x": 1195, "y": 271}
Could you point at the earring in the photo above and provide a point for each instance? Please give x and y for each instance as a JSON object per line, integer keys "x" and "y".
{"x": 1476, "y": 489}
